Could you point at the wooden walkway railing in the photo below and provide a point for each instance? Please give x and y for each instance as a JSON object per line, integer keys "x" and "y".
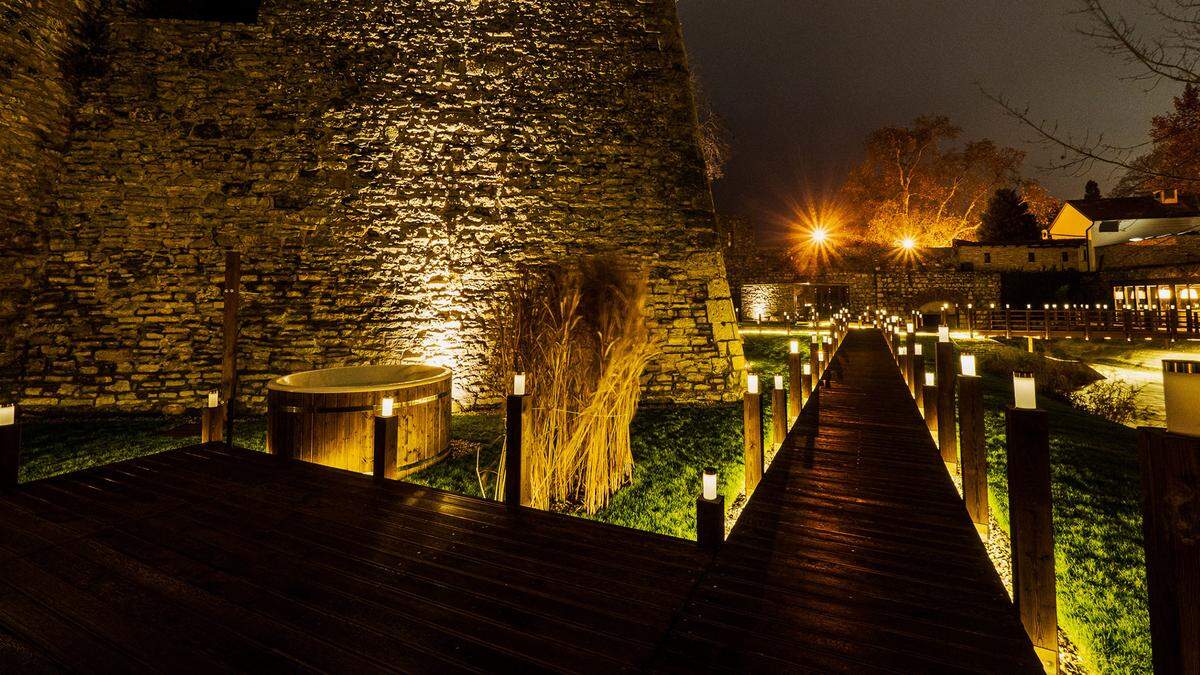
{"x": 1129, "y": 324}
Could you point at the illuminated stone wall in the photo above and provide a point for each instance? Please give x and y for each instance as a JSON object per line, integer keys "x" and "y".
{"x": 386, "y": 168}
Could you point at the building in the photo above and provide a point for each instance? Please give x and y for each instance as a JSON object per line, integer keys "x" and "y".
{"x": 1047, "y": 255}
{"x": 1112, "y": 221}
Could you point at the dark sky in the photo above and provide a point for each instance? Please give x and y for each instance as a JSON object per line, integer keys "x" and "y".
{"x": 801, "y": 83}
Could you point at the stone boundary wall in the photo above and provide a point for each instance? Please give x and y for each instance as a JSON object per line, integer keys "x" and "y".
{"x": 387, "y": 170}
{"x": 891, "y": 288}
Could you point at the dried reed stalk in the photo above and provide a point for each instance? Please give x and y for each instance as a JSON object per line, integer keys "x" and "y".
{"x": 578, "y": 330}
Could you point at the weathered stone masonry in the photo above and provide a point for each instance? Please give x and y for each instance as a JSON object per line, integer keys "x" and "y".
{"x": 386, "y": 168}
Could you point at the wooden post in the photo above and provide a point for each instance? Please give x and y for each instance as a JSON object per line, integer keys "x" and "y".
{"x": 919, "y": 380}
{"x": 752, "y": 432}
{"x": 1032, "y": 529}
{"x": 710, "y": 522}
{"x": 387, "y": 434}
{"x": 212, "y": 423}
{"x": 814, "y": 363}
{"x": 10, "y": 449}
{"x": 1170, "y": 467}
{"x": 974, "y": 451}
{"x": 947, "y": 431}
{"x": 517, "y": 484}
{"x": 1046, "y": 324}
{"x": 779, "y": 423}
{"x": 910, "y": 341}
{"x": 231, "y": 296}
{"x": 806, "y": 382}
{"x": 795, "y": 385}
{"x": 1007, "y": 322}
{"x": 1127, "y": 324}
{"x": 930, "y": 397}
{"x": 904, "y": 363}
{"x": 1172, "y": 324}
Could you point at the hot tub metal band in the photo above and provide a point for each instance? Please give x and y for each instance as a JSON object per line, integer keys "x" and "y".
{"x": 366, "y": 408}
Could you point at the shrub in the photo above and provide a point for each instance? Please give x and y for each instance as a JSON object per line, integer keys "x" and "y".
{"x": 1113, "y": 400}
{"x": 1059, "y": 377}
{"x": 578, "y": 330}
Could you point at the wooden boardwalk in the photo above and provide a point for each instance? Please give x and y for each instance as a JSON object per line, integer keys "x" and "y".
{"x": 855, "y": 554}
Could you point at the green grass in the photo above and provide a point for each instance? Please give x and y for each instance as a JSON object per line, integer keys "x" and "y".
{"x": 1100, "y": 562}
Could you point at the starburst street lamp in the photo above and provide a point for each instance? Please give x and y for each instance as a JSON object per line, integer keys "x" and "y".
{"x": 819, "y": 235}
{"x": 908, "y": 243}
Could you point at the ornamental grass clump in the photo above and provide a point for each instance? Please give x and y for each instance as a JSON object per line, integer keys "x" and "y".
{"x": 578, "y": 331}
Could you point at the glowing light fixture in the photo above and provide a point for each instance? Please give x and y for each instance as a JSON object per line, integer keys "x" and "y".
{"x": 387, "y": 407}
{"x": 794, "y": 347}
{"x": 1181, "y": 395}
{"x": 819, "y": 235}
{"x": 1024, "y": 390}
{"x": 918, "y": 350}
{"x": 519, "y": 384}
{"x": 943, "y": 333}
{"x": 710, "y": 483}
{"x": 752, "y": 383}
{"x": 1164, "y": 294}
{"x": 910, "y": 327}
{"x": 214, "y": 399}
{"x": 8, "y": 415}
{"x": 968, "y": 364}
{"x": 779, "y": 382}
{"x": 930, "y": 379}
{"x": 903, "y": 350}
{"x": 806, "y": 369}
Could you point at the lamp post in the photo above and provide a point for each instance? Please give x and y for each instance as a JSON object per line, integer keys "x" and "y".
{"x": 752, "y": 433}
{"x": 795, "y": 381}
{"x": 518, "y": 483}
{"x": 947, "y": 430}
{"x": 1169, "y": 460}
{"x": 387, "y": 434}
{"x": 929, "y": 395}
{"x": 779, "y": 425}
{"x": 710, "y": 513}
{"x": 1032, "y": 531}
{"x": 10, "y": 447}
{"x": 212, "y": 419}
{"x": 974, "y": 448}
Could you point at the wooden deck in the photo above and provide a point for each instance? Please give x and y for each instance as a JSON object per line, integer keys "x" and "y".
{"x": 855, "y": 554}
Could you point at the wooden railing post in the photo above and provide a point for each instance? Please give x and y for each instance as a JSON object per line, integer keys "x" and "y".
{"x": 1127, "y": 323}
{"x": 796, "y": 388}
{"x": 806, "y": 381}
{"x": 231, "y": 298}
{"x": 1032, "y": 529}
{"x": 10, "y": 447}
{"x": 974, "y": 451}
{"x": 814, "y": 350}
{"x": 947, "y": 431}
{"x": 779, "y": 423}
{"x": 929, "y": 394}
{"x": 752, "y": 433}
{"x": 710, "y": 513}
{"x": 1170, "y": 468}
{"x": 387, "y": 435}
{"x": 518, "y": 486}
{"x": 1007, "y": 322}
{"x": 212, "y": 420}
{"x": 918, "y": 367}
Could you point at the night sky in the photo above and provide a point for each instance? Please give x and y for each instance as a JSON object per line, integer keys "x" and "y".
{"x": 801, "y": 84}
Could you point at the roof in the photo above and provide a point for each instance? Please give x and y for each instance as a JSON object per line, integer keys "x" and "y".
{"x": 1130, "y": 208}
{"x": 1034, "y": 243}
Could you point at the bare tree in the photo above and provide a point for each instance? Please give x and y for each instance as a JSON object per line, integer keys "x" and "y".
{"x": 1171, "y": 55}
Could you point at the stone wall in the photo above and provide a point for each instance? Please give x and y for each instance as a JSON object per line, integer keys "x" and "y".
{"x": 1048, "y": 256}
{"x": 44, "y": 48}
{"x": 387, "y": 170}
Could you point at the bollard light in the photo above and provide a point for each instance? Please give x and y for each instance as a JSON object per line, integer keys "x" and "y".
{"x": 821, "y": 355}
{"x": 710, "y": 483}
{"x": 930, "y": 379}
{"x": 794, "y": 347}
{"x": 807, "y": 369}
{"x": 752, "y": 383}
{"x": 1024, "y": 390}
{"x": 1181, "y": 396}
{"x": 779, "y": 382}
{"x": 519, "y": 384}
{"x": 918, "y": 349}
{"x": 910, "y": 327}
{"x": 8, "y": 415}
{"x": 903, "y": 351}
{"x": 968, "y": 364}
{"x": 943, "y": 333}
{"x": 214, "y": 399}
{"x": 387, "y": 406}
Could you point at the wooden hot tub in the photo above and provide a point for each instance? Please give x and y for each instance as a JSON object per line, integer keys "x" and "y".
{"x": 327, "y": 416}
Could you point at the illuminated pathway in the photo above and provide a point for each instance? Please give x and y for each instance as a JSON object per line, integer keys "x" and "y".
{"x": 855, "y": 552}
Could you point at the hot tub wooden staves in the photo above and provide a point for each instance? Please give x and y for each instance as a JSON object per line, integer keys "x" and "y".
{"x": 327, "y": 417}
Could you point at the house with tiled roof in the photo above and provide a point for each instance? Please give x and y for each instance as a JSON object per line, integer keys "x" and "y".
{"x": 1119, "y": 220}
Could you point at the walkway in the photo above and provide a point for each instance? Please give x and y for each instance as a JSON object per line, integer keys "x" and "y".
{"x": 855, "y": 554}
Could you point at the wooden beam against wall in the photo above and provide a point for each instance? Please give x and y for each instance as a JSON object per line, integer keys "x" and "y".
{"x": 231, "y": 297}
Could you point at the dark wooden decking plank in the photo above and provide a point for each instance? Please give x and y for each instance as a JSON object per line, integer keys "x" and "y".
{"x": 855, "y": 552}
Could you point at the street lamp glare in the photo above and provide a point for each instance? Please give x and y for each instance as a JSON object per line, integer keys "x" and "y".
{"x": 908, "y": 243}
{"x": 819, "y": 235}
